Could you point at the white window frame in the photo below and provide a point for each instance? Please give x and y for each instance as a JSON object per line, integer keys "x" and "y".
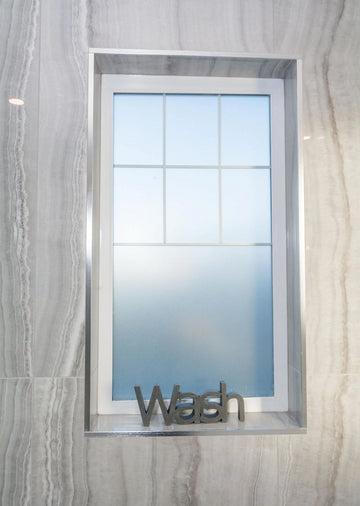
{"x": 274, "y": 88}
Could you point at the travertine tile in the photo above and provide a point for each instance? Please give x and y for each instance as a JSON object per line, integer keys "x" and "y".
{"x": 58, "y": 467}
{"x": 19, "y": 59}
{"x": 15, "y": 441}
{"x": 59, "y": 342}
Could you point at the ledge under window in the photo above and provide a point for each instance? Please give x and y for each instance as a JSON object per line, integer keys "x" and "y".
{"x": 255, "y": 423}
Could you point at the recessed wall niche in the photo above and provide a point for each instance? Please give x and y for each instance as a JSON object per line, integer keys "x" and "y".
{"x": 203, "y": 65}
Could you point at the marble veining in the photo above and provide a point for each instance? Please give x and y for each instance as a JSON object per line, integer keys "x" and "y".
{"x": 122, "y": 471}
{"x": 344, "y": 107}
{"x": 332, "y": 133}
{"x": 58, "y": 470}
{"x": 191, "y": 66}
{"x": 15, "y": 441}
{"x": 320, "y": 468}
{"x": 44, "y": 457}
{"x": 244, "y": 25}
{"x": 188, "y": 463}
{"x": 59, "y": 342}
{"x": 18, "y": 35}
{"x": 250, "y": 477}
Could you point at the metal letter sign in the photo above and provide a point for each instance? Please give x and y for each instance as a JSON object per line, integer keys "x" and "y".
{"x": 195, "y": 411}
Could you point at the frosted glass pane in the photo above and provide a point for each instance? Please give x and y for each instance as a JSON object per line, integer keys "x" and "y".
{"x": 192, "y": 316}
{"x": 138, "y": 205}
{"x": 246, "y": 205}
{"x": 192, "y": 130}
{"x": 192, "y": 205}
{"x": 245, "y": 132}
{"x": 138, "y": 129}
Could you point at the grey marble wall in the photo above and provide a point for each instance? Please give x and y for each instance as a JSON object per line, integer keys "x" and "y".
{"x": 44, "y": 458}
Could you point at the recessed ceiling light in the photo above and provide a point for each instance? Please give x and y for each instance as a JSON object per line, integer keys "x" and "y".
{"x": 16, "y": 101}
{"x": 307, "y": 137}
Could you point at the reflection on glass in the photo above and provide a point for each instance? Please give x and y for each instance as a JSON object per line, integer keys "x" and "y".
{"x": 138, "y": 129}
{"x": 138, "y": 205}
{"x": 192, "y": 316}
{"x": 192, "y": 205}
{"x": 246, "y": 205}
{"x": 245, "y": 130}
{"x": 192, "y": 129}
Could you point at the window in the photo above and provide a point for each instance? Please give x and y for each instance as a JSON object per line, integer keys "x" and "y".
{"x": 193, "y": 286}
{"x": 195, "y": 241}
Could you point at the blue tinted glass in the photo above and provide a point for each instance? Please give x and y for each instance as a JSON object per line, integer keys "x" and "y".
{"x": 246, "y": 205}
{"x": 245, "y": 130}
{"x": 192, "y": 130}
{"x": 138, "y": 129}
{"x": 192, "y": 205}
{"x": 138, "y": 205}
{"x": 192, "y": 316}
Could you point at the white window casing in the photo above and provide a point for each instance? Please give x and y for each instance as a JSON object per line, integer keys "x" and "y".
{"x": 112, "y": 84}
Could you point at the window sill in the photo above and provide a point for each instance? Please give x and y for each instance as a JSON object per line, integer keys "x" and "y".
{"x": 255, "y": 424}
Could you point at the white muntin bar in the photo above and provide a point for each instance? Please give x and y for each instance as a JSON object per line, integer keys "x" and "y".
{"x": 191, "y": 244}
{"x": 164, "y": 168}
{"x": 220, "y": 189}
{"x": 139, "y": 166}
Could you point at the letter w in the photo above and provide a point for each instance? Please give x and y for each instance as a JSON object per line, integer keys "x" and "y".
{"x": 168, "y": 413}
